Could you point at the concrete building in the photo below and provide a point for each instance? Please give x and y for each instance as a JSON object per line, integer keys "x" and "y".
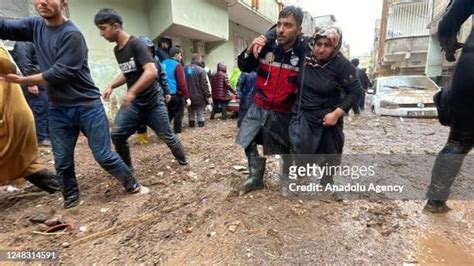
{"x": 404, "y": 37}
{"x": 324, "y": 21}
{"x": 437, "y": 67}
{"x": 375, "y": 50}
{"x": 308, "y": 24}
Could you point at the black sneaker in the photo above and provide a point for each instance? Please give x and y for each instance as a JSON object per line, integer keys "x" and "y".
{"x": 436, "y": 206}
{"x": 135, "y": 188}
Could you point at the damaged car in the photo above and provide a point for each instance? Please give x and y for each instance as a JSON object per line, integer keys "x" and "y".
{"x": 405, "y": 96}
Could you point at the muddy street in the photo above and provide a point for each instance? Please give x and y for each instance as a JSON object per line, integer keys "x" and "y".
{"x": 195, "y": 214}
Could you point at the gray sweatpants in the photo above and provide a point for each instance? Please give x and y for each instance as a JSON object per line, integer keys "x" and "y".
{"x": 195, "y": 110}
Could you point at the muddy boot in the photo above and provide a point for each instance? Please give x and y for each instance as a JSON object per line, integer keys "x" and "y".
{"x": 123, "y": 150}
{"x": 192, "y": 123}
{"x": 436, "y": 206}
{"x": 335, "y": 195}
{"x": 224, "y": 114}
{"x": 201, "y": 123}
{"x": 131, "y": 185}
{"x": 71, "y": 196}
{"x": 178, "y": 128}
{"x": 179, "y": 154}
{"x": 256, "y": 168}
{"x": 45, "y": 180}
{"x": 255, "y": 179}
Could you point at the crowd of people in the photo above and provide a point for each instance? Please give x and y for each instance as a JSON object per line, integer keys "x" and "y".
{"x": 294, "y": 92}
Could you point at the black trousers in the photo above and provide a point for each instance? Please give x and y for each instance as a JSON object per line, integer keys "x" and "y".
{"x": 176, "y": 112}
{"x": 448, "y": 164}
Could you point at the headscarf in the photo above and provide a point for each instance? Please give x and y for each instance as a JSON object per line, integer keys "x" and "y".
{"x": 333, "y": 33}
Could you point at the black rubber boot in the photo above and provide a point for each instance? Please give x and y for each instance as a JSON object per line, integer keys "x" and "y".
{"x": 192, "y": 123}
{"x": 201, "y": 123}
{"x": 256, "y": 168}
{"x": 178, "y": 127}
{"x": 71, "y": 197}
{"x": 123, "y": 150}
{"x": 436, "y": 206}
{"x": 45, "y": 180}
{"x": 224, "y": 113}
{"x": 178, "y": 152}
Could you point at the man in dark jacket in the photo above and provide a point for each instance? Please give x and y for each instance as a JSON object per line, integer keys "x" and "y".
{"x": 267, "y": 120}
{"x": 199, "y": 93}
{"x": 364, "y": 82}
{"x": 220, "y": 91}
{"x": 461, "y": 102}
{"x": 163, "y": 50}
{"x": 25, "y": 57}
{"x": 245, "y": 89}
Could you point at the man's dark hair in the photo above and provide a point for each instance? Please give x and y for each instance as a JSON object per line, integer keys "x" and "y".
{"x": 107, "y": 16}
{"x": 355, "y": 62}
{"x": 294, "y": 11}
{"x": 174, "y": 51}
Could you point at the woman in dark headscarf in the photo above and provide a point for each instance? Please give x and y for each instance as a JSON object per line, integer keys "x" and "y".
{"x": 317, "y": 123}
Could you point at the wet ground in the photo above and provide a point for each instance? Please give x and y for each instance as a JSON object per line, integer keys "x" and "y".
{"x": 195, "y": 214}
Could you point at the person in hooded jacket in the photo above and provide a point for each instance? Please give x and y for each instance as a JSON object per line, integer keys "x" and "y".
{"x": 220, "y": 91}
{"x": 199, "y": 93}
{"x": 460, "y": 100}
{"x": 245, "y": 92}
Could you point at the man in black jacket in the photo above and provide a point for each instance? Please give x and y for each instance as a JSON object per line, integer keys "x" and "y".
{"x": 199, "y": 91}
{"x": 461, "y": 102}
{"x": 364, "y": 82}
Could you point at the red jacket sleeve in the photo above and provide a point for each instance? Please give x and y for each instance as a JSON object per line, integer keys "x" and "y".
{"x": 181, "y": 81}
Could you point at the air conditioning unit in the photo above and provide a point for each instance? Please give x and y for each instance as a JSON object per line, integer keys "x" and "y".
{"x": 199, "y": 47}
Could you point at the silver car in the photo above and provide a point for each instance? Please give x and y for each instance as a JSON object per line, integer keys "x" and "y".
{"x": 407, "y": 96}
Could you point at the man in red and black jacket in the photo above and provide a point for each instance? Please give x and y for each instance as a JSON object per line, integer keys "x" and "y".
{"x": 266, "y": 122}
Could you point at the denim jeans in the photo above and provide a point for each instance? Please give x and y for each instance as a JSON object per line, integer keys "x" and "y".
{"x": 39, "y": 107}
{"x": 128, "y": 120}
{"x": 65, "y": 123}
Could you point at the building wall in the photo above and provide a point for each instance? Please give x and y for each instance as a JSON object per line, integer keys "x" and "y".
{"x": 409, "y": 19}
{"x": 383, "y": 28}
{"x": 204, "y": 15}
{"x": 102, "y": 61}
{"x": 160, "y": 16}
{"x": 227, "y": 52}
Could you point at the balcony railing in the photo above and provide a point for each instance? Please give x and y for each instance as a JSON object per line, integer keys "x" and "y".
{"x": 266, "y": 8}
{"x": 409, "y": 19}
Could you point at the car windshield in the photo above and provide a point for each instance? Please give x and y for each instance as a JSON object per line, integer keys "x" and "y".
{"x": 414, "y": 83}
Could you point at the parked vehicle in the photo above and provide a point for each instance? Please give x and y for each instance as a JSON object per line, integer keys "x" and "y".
{"x": 407, "y": 96}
